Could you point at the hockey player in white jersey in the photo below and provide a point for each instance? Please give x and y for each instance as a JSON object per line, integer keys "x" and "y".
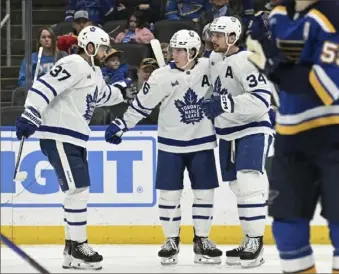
{"x": 240, "y": 104}
{"x": 58, "y": 108}
{"x": 186, "y": 140}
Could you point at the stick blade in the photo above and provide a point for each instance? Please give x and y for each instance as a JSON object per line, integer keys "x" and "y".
{"x": 155, "y": 44}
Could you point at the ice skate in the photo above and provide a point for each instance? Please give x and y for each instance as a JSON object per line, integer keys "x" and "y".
{"x": 169, "y": 251}
{"x": 233, "y": 256}
{"x": 206, "y": 251}
{"x": 67, "y": 255}
{"x": 84, "y": 257}
{"x": 252, "y": 255}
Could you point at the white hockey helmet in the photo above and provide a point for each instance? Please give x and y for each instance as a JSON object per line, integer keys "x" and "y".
{"x": 227, "y": 25}
{"x": 94, "y": 35}
{"x": 186, "y": 39}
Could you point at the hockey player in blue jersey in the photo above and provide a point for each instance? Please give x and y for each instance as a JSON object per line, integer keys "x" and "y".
{"x": 302, "y": 58}
{"x": 58, "y": 109}
{"x": 186, "y": 140}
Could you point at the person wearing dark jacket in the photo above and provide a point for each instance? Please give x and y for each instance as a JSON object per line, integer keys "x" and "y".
{"x": 114, "y": 71}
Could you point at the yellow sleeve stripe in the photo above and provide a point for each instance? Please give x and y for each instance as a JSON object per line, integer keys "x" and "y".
{"x": 322, "y": 20}
{"x": 320, "y": 89}
{"x": 278, "y": 10}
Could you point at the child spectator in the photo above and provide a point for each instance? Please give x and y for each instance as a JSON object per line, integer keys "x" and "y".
{"x": 135, "y": 31}
{"x": 50, "y": 54}
{"x": 114, "y": 71}
{"x": 69, "y": 42}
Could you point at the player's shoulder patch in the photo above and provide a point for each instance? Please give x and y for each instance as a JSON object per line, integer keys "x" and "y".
{"x": 325, "y": 13}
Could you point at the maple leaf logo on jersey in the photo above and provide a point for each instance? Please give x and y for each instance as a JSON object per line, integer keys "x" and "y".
{"x": 217, "y": 90}
{"x": 91, "y": 101}
{"x": 189, "y": 109}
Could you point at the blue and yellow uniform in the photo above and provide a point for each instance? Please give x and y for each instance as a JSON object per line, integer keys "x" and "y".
{"x": 305, "y": 167}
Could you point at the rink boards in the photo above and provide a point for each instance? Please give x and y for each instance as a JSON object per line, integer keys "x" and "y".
{"x": 123, "y": 201}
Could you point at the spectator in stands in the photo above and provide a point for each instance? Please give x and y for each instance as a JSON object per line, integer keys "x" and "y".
{"x": 219, "y": 8}
{"x": 186, "y": 9}
{"x": 135, "y": 31}
{"x": 69, "y": 42}
{"x": 151, "y": 8}
{"x": 147, "y": 66}
{"x": 98, "y": 10}
{"x": 50, "y": 54}
{"x": 164, "y": 50}
{"x": 114, "y": 71}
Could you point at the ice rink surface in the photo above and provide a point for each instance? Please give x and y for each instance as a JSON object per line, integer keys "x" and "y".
{"x": 143, "y": 259}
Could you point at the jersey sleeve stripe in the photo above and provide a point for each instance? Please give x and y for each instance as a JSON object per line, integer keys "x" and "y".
{"x": 41, "y": 94}
{"x": 141, "y": 106}
{"x": 322, "y": 20}
{"x": 139, "y": 111}
{"x": 278, "y": 10}
{"x": 110, "y": 94}
{"x": 48, "y": 85}
{"x": 261, "y": 99}
{"x": 262, "y": 91}
{"x": 319, "y": 85}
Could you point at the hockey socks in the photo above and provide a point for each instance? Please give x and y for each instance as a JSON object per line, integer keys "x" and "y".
{"x": 170, "y": 212}
{"x": 202, "y": 211}
{"x": 292, "y": 238}
{"x": 75, "y": 208}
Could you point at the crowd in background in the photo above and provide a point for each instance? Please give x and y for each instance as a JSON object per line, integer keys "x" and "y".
{"x": 140, "y": 17}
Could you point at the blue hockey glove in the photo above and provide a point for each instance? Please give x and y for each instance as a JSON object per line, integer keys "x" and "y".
{"x": 216, "y": 105}
{"x": 27, "y": 123}
{"x": 115, "y": 130}
{"x": 258, "y": 26}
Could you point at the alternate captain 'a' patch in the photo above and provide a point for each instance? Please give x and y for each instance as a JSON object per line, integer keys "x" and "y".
{"x": 189, "y": 108}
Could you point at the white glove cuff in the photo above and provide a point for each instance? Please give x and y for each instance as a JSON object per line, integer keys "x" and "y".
{"x": 30, "y": 116}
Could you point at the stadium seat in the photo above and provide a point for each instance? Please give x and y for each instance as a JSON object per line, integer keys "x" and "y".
{"x": 19, "y": 96}
{"x": 62, "y": 28}
{"x": 134, "y": 53}
{"x": 112, "y": 25}
{"x": 164, "y": 29}
{"x": 9, "y": 115}
{"x": 99, "y": 117}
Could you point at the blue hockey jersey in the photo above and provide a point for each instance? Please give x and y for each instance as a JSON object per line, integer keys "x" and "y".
{"x": 310, "y": 41}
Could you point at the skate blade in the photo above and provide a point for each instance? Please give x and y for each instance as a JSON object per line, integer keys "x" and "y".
{"x": 203, "y": 259}
{"x": 82, "y": 265}
{"x": 252, "y": 263}
{"x": 170, "y": 260}
{"x": 233, "y": 261}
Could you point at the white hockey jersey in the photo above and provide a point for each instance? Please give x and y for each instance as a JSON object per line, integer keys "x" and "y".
{"x": 250, "y": 96}
{"x": 66, "y": 98}
{"x": 182, "y": 126}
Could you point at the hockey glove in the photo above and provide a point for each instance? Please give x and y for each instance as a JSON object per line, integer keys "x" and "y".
{"x": 216, "y": 105}
{"x": 123, "y": 85}
{"x": 115, "y": 130}
{"x": 28, "y": 123}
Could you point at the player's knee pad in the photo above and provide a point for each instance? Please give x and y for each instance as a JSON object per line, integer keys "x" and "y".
{"x": 292, "y": 235}
{"x": 334, "y": 235}
{"x": 169, "y": 196}
{"x": 77, "y": 197}
{"x": 251, "y": 183}
{"x": 201, "y": 195}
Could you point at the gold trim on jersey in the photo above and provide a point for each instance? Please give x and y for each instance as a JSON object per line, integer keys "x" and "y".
{"x": 278, "y": 10}
{"x": 322, "y": 20}
{"x": 320, "y": 89}
{"x": 315, "y": 123}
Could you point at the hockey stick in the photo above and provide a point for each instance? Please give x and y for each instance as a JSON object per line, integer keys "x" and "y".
{"x": 156, "y": 47}
{"x": 23, "y": 255}
{"x": 22, "y": 175}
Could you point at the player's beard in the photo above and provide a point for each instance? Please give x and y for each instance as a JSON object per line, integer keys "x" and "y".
{"x": 98, "y": 62}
